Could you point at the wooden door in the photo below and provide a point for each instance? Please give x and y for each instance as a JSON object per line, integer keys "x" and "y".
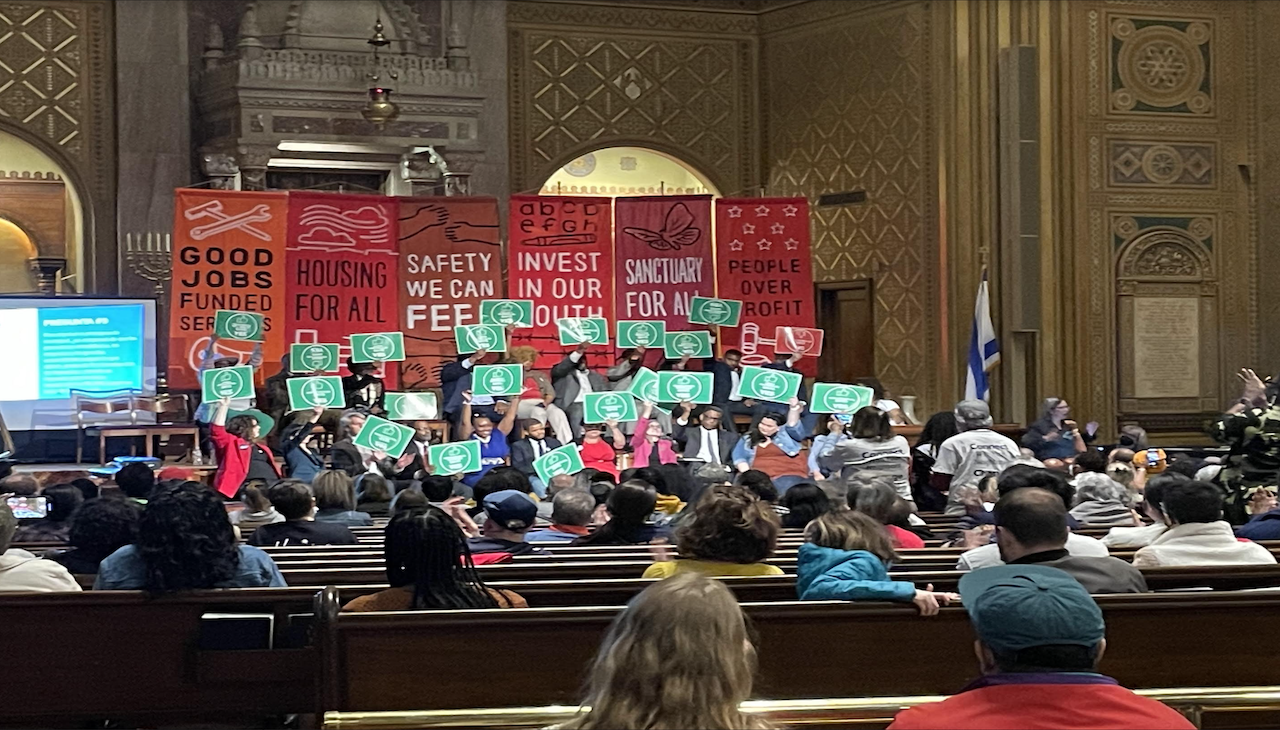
{"x": 846, "y": 313}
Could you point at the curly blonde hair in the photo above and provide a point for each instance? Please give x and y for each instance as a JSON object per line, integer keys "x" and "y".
{"x": 524, "y": 355}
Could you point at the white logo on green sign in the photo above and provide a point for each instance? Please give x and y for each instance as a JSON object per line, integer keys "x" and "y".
{"x": 317, "y": 392}
{"x": 612, "y": 406}
{"x": 242, "y": 326}
{"x": 842, "y": 398}
{"x": 506, "y": 313}
{"x": 481, "y": 338}
{"x": 226, "y": 383}
{"x": 589, "y": 329}
{"x": 770, "y": 385}
{"x": 384, "y": 436}
{"x": 315, "y": 357}
{"x": 687, "y": 343}
{"x": 684, "y": 387}
{"x": 716, "y": 311}
{"x": 453, "y": 458}
{"x": 379, "y": 347}
{"x": 557, "y": 463}
{"x": 645, "y": 334}
{"x": 498, "y": 380}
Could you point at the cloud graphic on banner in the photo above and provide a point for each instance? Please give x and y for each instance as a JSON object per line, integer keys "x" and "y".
{"x": 326, "y": 236}
{"x": 369, "y": 223}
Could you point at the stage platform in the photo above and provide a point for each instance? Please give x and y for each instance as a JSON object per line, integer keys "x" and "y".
{"x": 48, "y": 474}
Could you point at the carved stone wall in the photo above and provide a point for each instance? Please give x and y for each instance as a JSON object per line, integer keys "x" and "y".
{"x": 1165, "y": 97}
{"x": 847, "y": 97}
{"x": 56, "y": 92}
{"x": 680, "y": 79}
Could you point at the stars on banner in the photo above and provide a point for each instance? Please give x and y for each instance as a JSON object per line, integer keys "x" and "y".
{"x": 777, "y": 229}
{"x": 748, "y": 228}
{"x": 789, "y": 210}
{"x": 735, "y": 212}
{"x": 764, "y": 244}
{"x": 735, "y": 245}
{"x": 762, "y": 210}
{"x": 791, "y": 244}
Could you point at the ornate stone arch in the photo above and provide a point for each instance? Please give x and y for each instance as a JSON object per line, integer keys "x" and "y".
{"x": 685, "y": 156}
{"x": 1165, "y": 252}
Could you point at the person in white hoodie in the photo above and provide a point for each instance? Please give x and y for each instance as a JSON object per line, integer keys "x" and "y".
{"x": 1152, "y": 497}
{"x": 1197, "y": 534}
{"x": 22, "y": 571}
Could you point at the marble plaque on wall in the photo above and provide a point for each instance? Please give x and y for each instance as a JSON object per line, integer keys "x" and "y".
{"x": 1166, "y": 347}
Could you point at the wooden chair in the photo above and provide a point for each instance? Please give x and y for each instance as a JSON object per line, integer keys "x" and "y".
{"x": 88, "y": 404}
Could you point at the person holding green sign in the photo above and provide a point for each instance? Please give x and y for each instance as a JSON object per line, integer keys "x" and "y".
{"x": 240, "y": 457}
{"x": 363, "y": 389}
{"x": 572, "y": 381}
{"x": 209, "y": 360}
{"x": 494, "y": 450}
{"x": 773, "y": 446}
{"x": 650, "y": 443}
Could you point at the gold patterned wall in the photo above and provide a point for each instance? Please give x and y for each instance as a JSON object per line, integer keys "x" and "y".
{"x": 56, "y": 92}
{"x": 1161, "y": 113}
{"x": 676, "y": 79}
{"x": 847, "y": 95}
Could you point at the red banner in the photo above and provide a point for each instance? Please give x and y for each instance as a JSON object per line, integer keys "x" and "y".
{"x": 662, "y": 251}
{"x": 228, "y": 253}
{"x": 450, "y": 260}
{"x": 561, "y": 257}
{"x": 341, "y": 268}
{"x": 762, "y": 257}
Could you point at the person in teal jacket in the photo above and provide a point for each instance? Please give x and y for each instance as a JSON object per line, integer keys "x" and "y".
{"x": 846, "y": 556}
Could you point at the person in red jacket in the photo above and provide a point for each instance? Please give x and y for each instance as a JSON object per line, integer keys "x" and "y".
{"x": 1040, "y": 637}
{"x": 240, "y": 456}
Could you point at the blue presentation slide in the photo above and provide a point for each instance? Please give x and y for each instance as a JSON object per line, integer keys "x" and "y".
{"x": 90, "y": 348}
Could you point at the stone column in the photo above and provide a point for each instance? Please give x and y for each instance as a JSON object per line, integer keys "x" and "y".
{"x": 253, "y": 160}
{"x": 220, "y": 168}
{"x": 458, "y": 166}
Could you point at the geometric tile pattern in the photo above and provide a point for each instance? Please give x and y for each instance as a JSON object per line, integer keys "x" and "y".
{"x": 1162, "y": 164}
{"x": 41, "y": 56}
{"x": 1161, "y": 66}
{"x": 848, "y": 109}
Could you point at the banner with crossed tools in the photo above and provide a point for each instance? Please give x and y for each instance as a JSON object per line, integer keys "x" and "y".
{"x": 228, "y": 253}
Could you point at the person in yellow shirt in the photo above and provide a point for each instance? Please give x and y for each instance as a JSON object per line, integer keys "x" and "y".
{"x": 731, "y": 532}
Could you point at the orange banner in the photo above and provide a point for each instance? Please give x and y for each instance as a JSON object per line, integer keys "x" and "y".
{"x": 228, "y": 253}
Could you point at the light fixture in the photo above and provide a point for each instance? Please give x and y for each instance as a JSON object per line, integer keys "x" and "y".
{"x": 379, "y": 109}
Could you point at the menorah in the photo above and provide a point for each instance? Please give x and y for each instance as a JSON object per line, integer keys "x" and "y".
{"x": 149, "y": 257}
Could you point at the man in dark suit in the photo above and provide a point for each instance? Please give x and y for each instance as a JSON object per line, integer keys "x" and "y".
{"x": 346, "y": 456}
{"x": 727, "y": 372}
{"x": 455, "y": 377}
{"x": 572, "y": 380}
{"x": 363, "y": 389}
{"x": 705, "y": 442}
{"x": 527, "y": 450}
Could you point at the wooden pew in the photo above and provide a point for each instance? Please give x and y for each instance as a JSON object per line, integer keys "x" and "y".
{"x": 875, "y": 650}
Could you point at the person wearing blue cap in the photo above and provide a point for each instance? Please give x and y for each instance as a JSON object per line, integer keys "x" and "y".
{"x": 508, "y": 516}
{"x": 1040, "y": 638}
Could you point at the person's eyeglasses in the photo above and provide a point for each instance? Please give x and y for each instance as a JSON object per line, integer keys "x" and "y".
{"x": 709, "y": 417}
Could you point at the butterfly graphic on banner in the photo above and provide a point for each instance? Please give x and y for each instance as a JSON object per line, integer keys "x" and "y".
{"x": 329, "y": 228}
{"x": 677, "y": 231}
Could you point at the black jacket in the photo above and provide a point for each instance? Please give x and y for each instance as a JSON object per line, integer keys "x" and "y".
{"x": 522, "y": 454}
{"x": 688, "y": 440}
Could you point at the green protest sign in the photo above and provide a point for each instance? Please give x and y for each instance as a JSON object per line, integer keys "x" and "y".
{"x": 577, "y": 330}
{"x": 477, "y": 337}
{"x": 497, "y": 379}
{"x": 564, "y": 460}
{"x": 839, "y": 398}
{"x": 314, "y": 358}
{"x": 644, "y": 385}
{"x": 229, "y": 325}
{"x": 723, "y": 312}
{"x": 324, "y": 391}
{"x": 411, "y": 406}
{"x": 219, "y": 383}
{"x": 641, "y": 333}
{"x": 765, "y": 384}
{"x": 675, "y": 386}
{"x": 459, "y": 457}
{"x": 696, "y": 343}
{"x": 377, "y": 347}
{"x": 379, "y": 434}
{"x": 611, "y": 406}
{"x": 503, "y": 312}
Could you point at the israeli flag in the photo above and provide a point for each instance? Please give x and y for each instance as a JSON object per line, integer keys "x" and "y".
{"x": 984, "y": 351}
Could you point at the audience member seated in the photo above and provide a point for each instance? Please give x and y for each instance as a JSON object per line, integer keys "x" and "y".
{"x": 22, "y": 571}
{"x": 572, "y": 379}
{"x": 408, "y": 500}
{"x": 430, "y": 567}
{"x": 363, "y": 389}
{"x": 301, "y": 460}
{"x": 494, "y": 450}
{"x": 25, "y": 485}
{"x": 823, "y": 443}
{"x": 498, "y": 479}
{"x": 598, "y": 453}
{"x": 1262, "y": 525}
{"x": 1101, "y": 502}
{"x": 975, "y": 452}
{"x": 509, "y": 514}
{"x": 1031, "y": 528}
{"x": 803, "y": 502}
{"x": 536, "y": 400}
{"x": 1151, "y": 506}
{"x": 650, "y": 445}
{"x": 527, "y": 450}
{"x": 100, "y": 527}
{"x": 678, "y": 656}
{"x": 344, "y": 455}
{"x": 773, "y": 446}
{"x": 571, "y": 511}
{"x": 240, "y": 456}
{"x": 940, "y": 427}
{"x": 846, "y": 557}
{"x": 630, "y": 506}
{"x": 709, "y": 442}
{"x": 1090, "y": 460}
{"x": 185, "y": 541}
{"x": 1197, "y": 534}
{"x": 136, "y": 479}
{"x": 876, "y": 499}
{"x": 293, "y": 499}
{"x": 61, "y": 503}
{"x": 559, "y": 483}
{"x": 336, "y": 500}
{"x": 873, "y": 450}
{"x": 1040, "y": 638}
{"x": 258, "y": 510}
{"x": 732, "y": 533}
{"x": 373, "y": 495}
{"x": 1254, "y": 459}
{"x": 89, "y": 489}
{"x": 758, "y": 483}
{"x": 1020, "y": 477}
{"x": 1054, "y": 436}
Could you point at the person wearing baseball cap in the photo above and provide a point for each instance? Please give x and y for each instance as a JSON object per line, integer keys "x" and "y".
{"x": 1040, "y": 638}
{"x": 509, "y": 514}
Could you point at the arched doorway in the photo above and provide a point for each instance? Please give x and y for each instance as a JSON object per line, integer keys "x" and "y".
{"x": 22, "y": 161}
{"x": 621, "y": 171}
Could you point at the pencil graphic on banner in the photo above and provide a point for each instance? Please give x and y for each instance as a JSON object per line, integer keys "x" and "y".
{"x": 568, "y": 239}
